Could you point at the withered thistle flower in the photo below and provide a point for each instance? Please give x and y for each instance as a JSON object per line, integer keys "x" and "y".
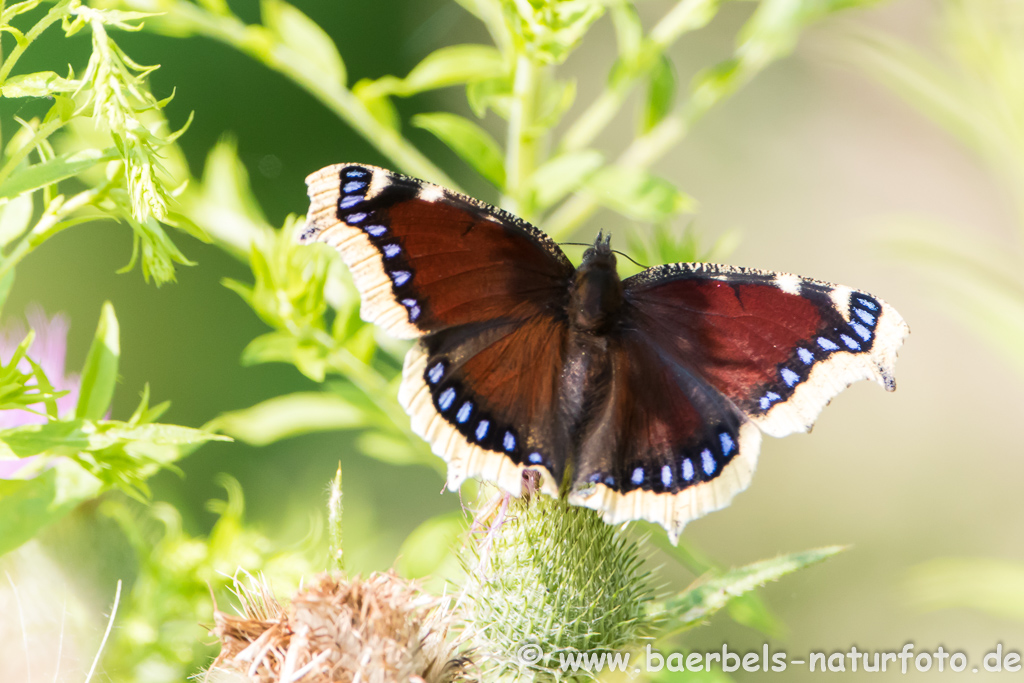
{"x": 381, "y": 629}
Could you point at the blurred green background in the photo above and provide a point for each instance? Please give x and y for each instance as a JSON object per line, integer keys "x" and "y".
{"x": 809, "y": 163}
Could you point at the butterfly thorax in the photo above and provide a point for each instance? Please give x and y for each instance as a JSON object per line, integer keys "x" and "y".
{"x": 596, "y": 296}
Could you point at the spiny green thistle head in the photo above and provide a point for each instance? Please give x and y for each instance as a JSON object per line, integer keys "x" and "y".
{"x": 547, "y": 577}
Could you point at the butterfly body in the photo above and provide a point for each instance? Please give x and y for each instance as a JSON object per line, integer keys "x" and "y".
{"x": 642, "y": 398}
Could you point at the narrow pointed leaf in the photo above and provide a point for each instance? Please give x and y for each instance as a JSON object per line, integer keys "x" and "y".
{"x": 285, "y": 416}
{"x": 638, "y": 194}
{"x": 54, "y": 170}
{"x": 472, "y": 143}
{"x": 712, "y": 594}
{"x": 304, "y": 36}
{"x": 100, "y": 372}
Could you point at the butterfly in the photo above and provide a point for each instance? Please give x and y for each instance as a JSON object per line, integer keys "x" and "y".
{"x": 642, "y": 398}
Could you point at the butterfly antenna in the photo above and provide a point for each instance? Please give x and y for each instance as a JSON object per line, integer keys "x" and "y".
{"x": 630, "y": 258}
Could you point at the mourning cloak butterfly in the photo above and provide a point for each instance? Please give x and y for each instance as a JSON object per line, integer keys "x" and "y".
{"x": 642, "y": 398}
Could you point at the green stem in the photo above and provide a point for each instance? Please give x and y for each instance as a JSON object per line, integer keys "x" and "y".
{"x": 685, "y": 16}
{"x": 51, "y": 223}
{"x": 56, "y": 13}
{"x": 255, "y": 42}
{"x": 373, "y": 385}
{"x": 641, "y": 154}
{"x": 44, "y": 132}
{"x": 522, "y": 147}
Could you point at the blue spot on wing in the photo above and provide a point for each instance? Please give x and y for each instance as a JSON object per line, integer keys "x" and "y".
{"x": 827, "y": 344}
{"x": 707, "y": 461}
{"x": 436, "y": 373}
{"x": 446, "y": 399}
{"x": 349, "y": 202}
{"x": 867, "y": 303}
{"x": 688, "y": 469}
{"x": 865, "y": 316}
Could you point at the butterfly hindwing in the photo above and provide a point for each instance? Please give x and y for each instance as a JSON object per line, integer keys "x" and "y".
{"x": 660, "y": 444}
{"x": 486, "y": 398}
{"x": 425, "y": 258}
{"x": 779, "y": 346}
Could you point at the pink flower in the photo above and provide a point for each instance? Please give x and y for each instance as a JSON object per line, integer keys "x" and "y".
{"x": 48, "y": 349}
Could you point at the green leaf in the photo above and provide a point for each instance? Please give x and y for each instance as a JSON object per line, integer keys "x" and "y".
{"x": 629, "y": 32}
{"x": 303, "y": 36}
{"x": 661, "y": 92}
{"x": 450, "y": 65}
{"x": 54, "y": 170}
{"x": 224, "y": 206}
{"x": 472, "y": 143}
{"x": 14, "y": 218}
{"x": 563, "y": 174}
{"x": 28, "y": 505}
{"x": 99, "y": 375}
{"x": 491, "y": 93}
{"x": 638, "y": 194}
{"x": 428, "y": 547}
{"x": 713, "y": 593}
{"x": 39, "y": 84}
{"x": 291, "y": 415}
{"x": 6, "y": 282}
{"x": 380, "y": 106}
{"x": 282, "y": 347}
{"x": 394, "y": 450}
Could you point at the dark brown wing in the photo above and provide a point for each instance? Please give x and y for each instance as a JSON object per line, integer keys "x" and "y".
{"x": 778, "y": 346}
{"x": 426, "y": 259}
{"x": 485, "y": 292}
{"x": 660, "y": 444}
{"x": 486, "y": 398}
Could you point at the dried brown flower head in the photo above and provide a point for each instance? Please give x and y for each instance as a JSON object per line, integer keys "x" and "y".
{"x": 381, "y": 629}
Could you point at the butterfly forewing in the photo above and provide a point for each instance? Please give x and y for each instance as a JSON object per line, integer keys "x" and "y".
{"x": 779, "y": 346}
{"x": 425, "y": 258}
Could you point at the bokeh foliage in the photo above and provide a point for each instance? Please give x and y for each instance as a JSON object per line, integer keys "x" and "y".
{"x": 528, "y": 137}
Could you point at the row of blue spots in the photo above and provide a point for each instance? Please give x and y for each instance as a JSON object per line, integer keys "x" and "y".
{"x": 355, "y": 181}
{"x": 708, "y": 463}
{"x": 447, "y": 398}
{"x": 863, "y": 318}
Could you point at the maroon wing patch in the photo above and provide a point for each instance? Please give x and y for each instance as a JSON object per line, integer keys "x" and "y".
{"x": 661, "y": 444}
{"x": 779, "y": 346}
{"x": 486, "y": 398}
{"x": 425, "y": 258}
